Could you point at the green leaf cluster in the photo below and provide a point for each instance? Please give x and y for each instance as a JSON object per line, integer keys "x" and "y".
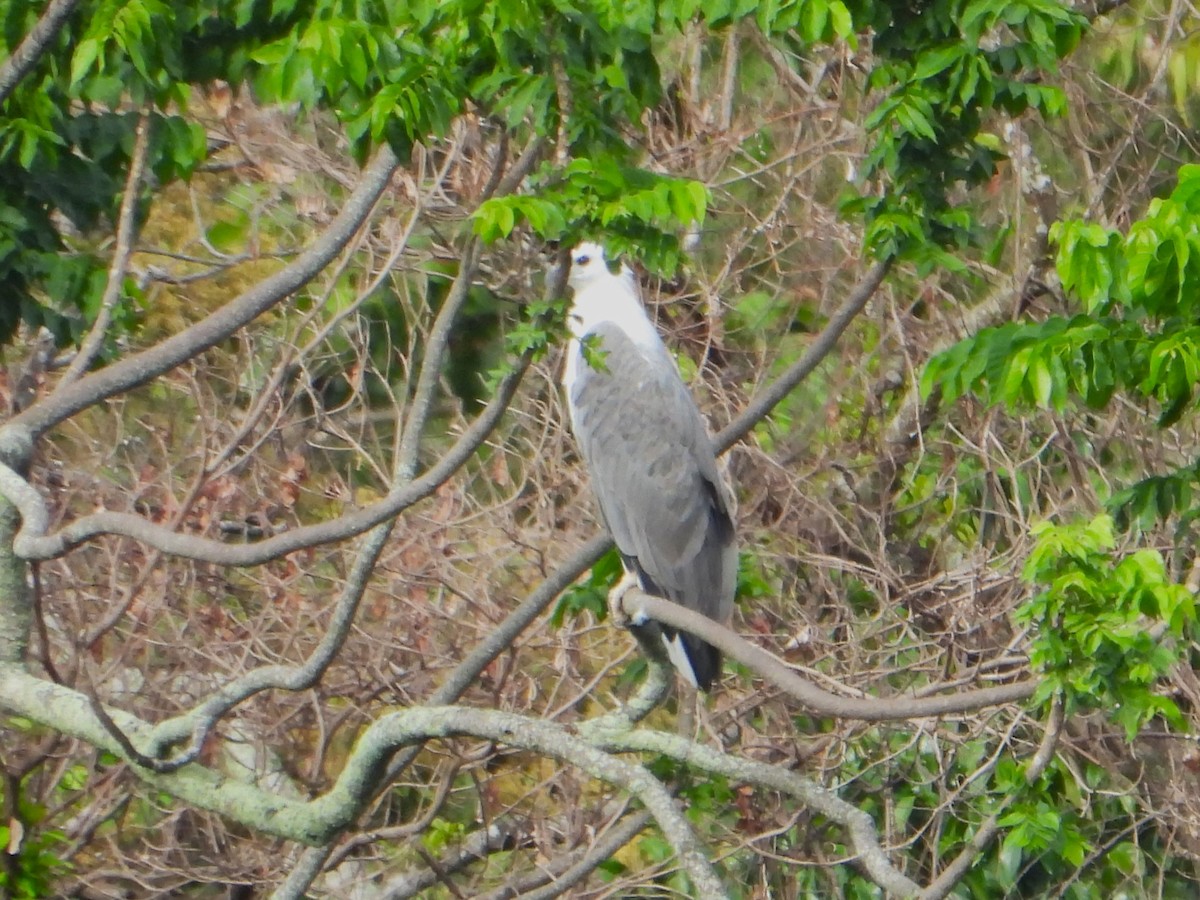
{"x": 942, "y": 69}
{"x": 34, "y": 866}
{"x": 1140, "y": 298}
{"x": 1137, "y": 331}
{"x": 1104, "y": 627}
{"x": 590, "y": 594}
{"x": 637, "y": 210}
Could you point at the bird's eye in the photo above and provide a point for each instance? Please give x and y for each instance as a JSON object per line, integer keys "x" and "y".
{"x": 582, "y": 260}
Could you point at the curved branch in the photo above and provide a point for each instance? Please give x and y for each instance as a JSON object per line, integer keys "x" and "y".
{"x": 941, "y": 886}
{"x": 26, "y": 55}
{"x": 420, "y": 724}
{"x": 821, "y": 702}
{"x": 33, "y": 543}
{"x": 317, "y": 821}
{"x": 200, "y": 719}
{"x": 859, "y": 826}
{"x": 767, "y": 399}
{"x": 208, "y": 332}
{"x": 588, "y": 746}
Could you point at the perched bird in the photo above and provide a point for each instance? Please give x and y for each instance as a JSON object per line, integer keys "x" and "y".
{"x": 652, "y": 464}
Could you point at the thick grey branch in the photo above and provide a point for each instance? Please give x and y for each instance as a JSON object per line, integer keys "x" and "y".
{"x": 16, "y": 598}
{"x": 361, "y": 773}
{"x": 318, "y": 820}
{"x": 884, "y": 709}
{"x": 25, "y": 57}
{"x": 861, "y": 829}
{"x": 149, "y": 364}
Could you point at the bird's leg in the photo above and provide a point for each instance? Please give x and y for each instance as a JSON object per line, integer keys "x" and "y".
{"x": 615, "y": 597}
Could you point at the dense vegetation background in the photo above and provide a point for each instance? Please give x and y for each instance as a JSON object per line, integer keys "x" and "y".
{"x": 301, "y": 584}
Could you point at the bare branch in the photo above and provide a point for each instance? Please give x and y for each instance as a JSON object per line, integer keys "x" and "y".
{"x": 149, "y": 364}
{"x": 318, "y": 820}
{"x": 431, "y": 364}
{"x": 199, "y": 721}
{"x": 859, "y": 827}
{"x": 478, "y": 845}
{"x": 561, "y": 874}
{"x": 25, "y": 57}
{"x": 986, "y": 833}
{"x": 16, "y": 598}
{"x": 92, "y": 344}
{"x": 884, "y": 709}
{"x": 361, "y": 771}
{"x": 30, "y": 545}
{"x": 766, "y": 400}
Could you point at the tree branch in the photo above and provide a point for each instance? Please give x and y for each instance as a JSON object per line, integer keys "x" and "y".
{"x": 478, "y": 845}
{"x": 361, "y": 773}
{"x": 200, "y": 719}
{"x": 953, "y": 873}
{"x": 766, "y": 400}
{"x": 817, "y": 700}
{"x": 149, "y": 364}
{"x": 317, "y": 821}
{"x": 25, "y": 57}
{"x": 561, "y": 874}
{"x": 31, "y": 542}
{"x": 859, "y": 826}
{"x": 91, "y": 345}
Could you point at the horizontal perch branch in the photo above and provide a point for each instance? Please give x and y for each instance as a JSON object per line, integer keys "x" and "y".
{"x": 815, "y": 699}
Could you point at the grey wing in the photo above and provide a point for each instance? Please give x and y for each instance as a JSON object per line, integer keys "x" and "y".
{"x": 654, "y": 473}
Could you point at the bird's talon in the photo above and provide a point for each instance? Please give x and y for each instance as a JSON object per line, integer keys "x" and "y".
{"x": 616, "y": 596}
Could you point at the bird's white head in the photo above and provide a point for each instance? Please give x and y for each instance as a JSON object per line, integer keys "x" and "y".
{"x": 602, "y": 295}
{"x": 588, "y": 266}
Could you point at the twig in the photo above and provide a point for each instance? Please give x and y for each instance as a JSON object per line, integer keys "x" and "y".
{"x": 34, "y": 517}
{"x": 762, "y": 404}
{"x": 859, "y": 826}
{"x": 39, "y": 618}
{"x": 563, "y": 873}
{"x": 90, "y": 348}
{"x": 477, "y": 846}
{"x": 132, "y": 754}
{"x": 941, "y": 886}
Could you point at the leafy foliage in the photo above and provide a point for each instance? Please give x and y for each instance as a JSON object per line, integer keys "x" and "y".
{"x": 1136, "y": 334}
{"x": 1096, "y": 638}
{"x": 943, "y": 68}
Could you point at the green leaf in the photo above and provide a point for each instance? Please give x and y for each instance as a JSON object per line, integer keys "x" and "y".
{"x": 936, "y": 61}
{"x": 85, "y": 55}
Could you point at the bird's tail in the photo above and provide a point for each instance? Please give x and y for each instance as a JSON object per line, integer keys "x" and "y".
{"x": 698, "y": 661}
